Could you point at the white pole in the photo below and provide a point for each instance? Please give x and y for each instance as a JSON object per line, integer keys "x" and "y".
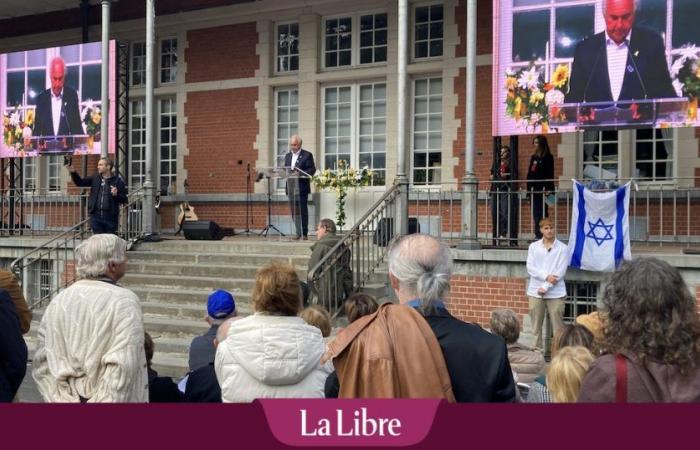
{"x": 104, "y": 93}
{"x": 401, "y": 225}
{"x": 149, "y": 199}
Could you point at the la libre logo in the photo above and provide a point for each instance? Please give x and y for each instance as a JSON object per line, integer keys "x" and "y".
{"x": 358, "y": 424}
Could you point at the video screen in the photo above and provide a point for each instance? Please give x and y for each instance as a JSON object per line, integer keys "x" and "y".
{"x": 568, "y": 65}
{"x": 50, "y": 101}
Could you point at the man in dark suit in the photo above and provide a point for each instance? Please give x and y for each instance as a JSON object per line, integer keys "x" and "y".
{"x": 107, "y": 192}
{"x": 57, "y": 108}
{"x": 623, "y": 62}
{"x": 301, "y": 164}
{"x": 420, "y": 268}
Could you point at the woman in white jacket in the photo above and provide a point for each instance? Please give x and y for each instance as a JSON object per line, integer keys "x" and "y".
{"x": 273, "y": 353}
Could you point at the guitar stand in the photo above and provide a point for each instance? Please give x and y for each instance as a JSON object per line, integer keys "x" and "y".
{"x": 269, "y": 225}
{"x": 248, "y": 205}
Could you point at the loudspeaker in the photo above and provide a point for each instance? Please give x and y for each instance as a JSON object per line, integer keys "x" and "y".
{"x": 385, "y": 230}
{"x": 203, "y": 230}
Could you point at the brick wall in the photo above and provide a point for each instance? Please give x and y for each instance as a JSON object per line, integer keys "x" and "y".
{"x": 221, "y": 129}
{"x": 472, "y": 298}
{"x": 229, "y": 215}
{"x": 222, "y": 53}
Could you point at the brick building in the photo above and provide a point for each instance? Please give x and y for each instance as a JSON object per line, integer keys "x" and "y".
{"x": 236, "y": 78}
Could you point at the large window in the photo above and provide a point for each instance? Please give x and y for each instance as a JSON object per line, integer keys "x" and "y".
{"x": 427, "y": 130}
{"x": 137, "y": 152}
{"x": 286, "y": 123}
{"x": 138, "y": 64}
{"x": 428, "y": 31}
{"x": 354, "y": 128}
{"x": 581, "y": 298}
{"x": 29, "y": 174}
{"x": 168, "y": 60}
{"x": 653, "y": 154}
{"x": 342, "y": 46}
{"x": 601, "y": 155}
{"x": 288, "y": 47}
{"x": 168, "y": 143}
{"x": 83, "y": 69}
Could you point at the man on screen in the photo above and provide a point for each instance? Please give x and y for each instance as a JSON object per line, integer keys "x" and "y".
{"x": 623, "y": 62}
{"x": 57, "y": 108}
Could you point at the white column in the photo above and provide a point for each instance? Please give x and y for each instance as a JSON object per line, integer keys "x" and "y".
{"x": 470, "y": 191}
{"x": 148, "y": 185}
{"x": 401, "y": 225}
{"x": 104, "y": 93}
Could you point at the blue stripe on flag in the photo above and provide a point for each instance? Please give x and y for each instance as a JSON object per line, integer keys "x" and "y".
{"x": 580, "y": 233}
{"x": 619, "y": 238}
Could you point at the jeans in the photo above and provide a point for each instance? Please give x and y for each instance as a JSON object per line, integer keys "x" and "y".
{"x": 103, "y": 224}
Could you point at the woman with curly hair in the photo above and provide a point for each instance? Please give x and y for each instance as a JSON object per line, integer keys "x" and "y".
{"x": 651, "y": 338}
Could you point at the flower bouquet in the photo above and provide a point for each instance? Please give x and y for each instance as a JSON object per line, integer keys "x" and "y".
{"x": 92, "y": 118}
{"x": 531, "y": 101}
{"x": 686, "y": 73}
{"x": 340, "y": 180}
{"x": 17, "y": 130}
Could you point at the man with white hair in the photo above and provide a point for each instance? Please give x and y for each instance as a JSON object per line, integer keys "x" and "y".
{"x": 420, "y": 268}
{"x": 90, "y": 340}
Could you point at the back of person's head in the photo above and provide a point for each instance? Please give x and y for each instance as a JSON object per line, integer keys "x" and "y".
{"x": 277, "y": 290}
{"x": 94, "y": 255}
{"x": 317, "y": 316}
{"x": 594, "y": 323}
{"x": 149, "y": 347}
{"x": 504, "y": 323}
{"x": 572, "y": 335}
{"x": 651, "y": 313}
{"x": 423, "y": 267}
{"x": 359, "y": 305}
{"x": 220, "y": 306}
{"x": 566, "y": 372}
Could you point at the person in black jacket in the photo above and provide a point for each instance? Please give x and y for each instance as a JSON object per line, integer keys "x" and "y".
{"x": 420, "y": 268}
{"x": 540, "y": 181}
{"x": 160, "y": 389}
{"x": 202, "y": 385}
{"x": 13, "y": 350}
{"x": 107, "y": 192}
{"x": 301, "y": 164}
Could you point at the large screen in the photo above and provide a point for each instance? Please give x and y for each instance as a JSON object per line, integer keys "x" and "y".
{"x": 50, "y": 101}
{"x": 566, "y": 65}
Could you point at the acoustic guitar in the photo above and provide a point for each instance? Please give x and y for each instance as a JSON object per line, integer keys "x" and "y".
{"x": 186, "y": 213}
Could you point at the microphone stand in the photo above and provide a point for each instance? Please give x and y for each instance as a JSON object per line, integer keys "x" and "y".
{"x": 269, "y": 225}
{"x": 248, "y": 203}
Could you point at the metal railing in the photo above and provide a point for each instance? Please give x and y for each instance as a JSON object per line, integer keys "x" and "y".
{"x": 349, "y": 265}
{"x": 660, "y": 212}
{"x": 50, "y": 267}
{"x": 38, "y": 212}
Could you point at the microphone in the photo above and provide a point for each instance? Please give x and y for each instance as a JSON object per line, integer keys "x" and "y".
{"x": 636, "y": 71}
{"x": 63, "y": 115}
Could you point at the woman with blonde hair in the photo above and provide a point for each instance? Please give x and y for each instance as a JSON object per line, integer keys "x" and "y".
{"x": 272, "y": 353}
{"x": 566, "y": 372}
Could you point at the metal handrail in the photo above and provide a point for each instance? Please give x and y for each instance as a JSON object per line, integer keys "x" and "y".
{"x": 328, "y": 279}
{"x": 54, "y": 260}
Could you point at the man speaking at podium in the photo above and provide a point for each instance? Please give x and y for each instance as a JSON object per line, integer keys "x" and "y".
{"x": 623, "y": 62}
{"x": 57, "y": 108}
{"x": 301, "y": 165}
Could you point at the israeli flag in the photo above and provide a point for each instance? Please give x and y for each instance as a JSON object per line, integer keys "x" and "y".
{"x": 600, "y": 237}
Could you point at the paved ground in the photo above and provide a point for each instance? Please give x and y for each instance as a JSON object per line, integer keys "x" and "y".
{"x": 28, "y": 392}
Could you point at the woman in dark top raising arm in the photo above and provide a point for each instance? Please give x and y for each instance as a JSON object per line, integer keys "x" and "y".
{"x": 540, "y": 176}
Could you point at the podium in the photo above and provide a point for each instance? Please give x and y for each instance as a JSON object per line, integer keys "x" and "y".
{"x": 628, "y": 113}
{"x": 291, "y": 178}
{"x": 61, "y": 144}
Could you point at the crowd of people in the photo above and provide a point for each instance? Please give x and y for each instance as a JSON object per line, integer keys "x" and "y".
{"x": 642, "y": 346}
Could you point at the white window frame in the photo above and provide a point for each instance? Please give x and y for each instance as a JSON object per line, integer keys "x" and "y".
{"x": 412, "y": 39}
{"x": 288, "y": 56}
{"x": 293, "y": 128}
{"x": 673, "y": 160}
{"x": 600, "y": 162}
{"x": 142, "y": 72}
{"x": 30, "y": 172}
{"x": 413, "y": 132}
{"x": 171, "y": 146}
{"x": 354, "y": 39}
{"x": 354, "y": 125}
{"x": 174, "y": 67}
{"x": 136, "y": 180}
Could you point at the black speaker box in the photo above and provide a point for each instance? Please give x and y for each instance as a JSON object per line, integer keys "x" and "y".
{"x": 385, "y": 230}
{"x": 203, "y": 230}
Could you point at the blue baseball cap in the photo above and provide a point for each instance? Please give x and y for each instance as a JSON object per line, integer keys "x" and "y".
{"x": 220, "y": 304}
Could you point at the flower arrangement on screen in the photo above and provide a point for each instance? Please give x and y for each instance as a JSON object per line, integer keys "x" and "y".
{"x": 531, "y": 101}
{"x": 92, "y": 118}
{"x": 17, "y": 128}
{"x": 341, "y": 180}
{"x": 685, "y": 72}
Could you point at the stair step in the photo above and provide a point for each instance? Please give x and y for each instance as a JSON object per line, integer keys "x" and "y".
{"x": 183, "y": 296}
{"x": 198, "y": 270}
{"x": 236, "y": 247}
{"x": 186, "y": 311}
{"x": 133, "y": 280}
{"x": 214, "y": 259}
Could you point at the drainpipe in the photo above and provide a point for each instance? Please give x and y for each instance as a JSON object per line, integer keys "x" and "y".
{"x": 470, "y": 183}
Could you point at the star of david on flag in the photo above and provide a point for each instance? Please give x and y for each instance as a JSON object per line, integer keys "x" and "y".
{"x": 599, "y": 239}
